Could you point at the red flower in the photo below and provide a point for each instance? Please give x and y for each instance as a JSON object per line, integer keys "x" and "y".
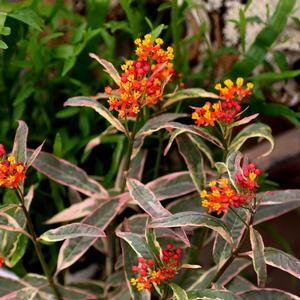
{"x": 2, "y": 259}
{"x": 2, "y": 150}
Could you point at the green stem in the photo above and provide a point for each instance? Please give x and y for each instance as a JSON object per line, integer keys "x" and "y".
{"x": 37, "y": 247}
{"x": 234, "y": 254}
{"x": 158, "y": 157}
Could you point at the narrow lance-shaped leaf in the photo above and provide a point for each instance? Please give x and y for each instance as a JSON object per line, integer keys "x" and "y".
{"x": 72, "y": 249}
{"x": 109, "y": 68}
{"x": 98, "y": 107}
{"x": 129, "y": 260}
{"x": 192, "y": 219}
{"x": 193, "y": 159}
{"x": 67, "y": 174}
{"x": 149, "y": 203}
{"x": 34, "y": 155}
{"x": 190, "y": 93}
{"x": 20, "y": 142}
{"x": 268, "y": 294}
{"x": 178, "y": 292}
{"x": 172, "y": 185}
{"x": 252, "y": 131}
{"x": 281, "y": 260}
{"x": 259, "y": 263}
{"x": 212, "y": 294}
{"x": 276, "y": 203}
{"x": 71, "y": 231}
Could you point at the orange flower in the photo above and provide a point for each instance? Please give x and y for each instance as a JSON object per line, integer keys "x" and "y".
{"x": 11, "y": 173}
{"x": 143, "y": 80}
{"x": 147, "y": 273}
{"x": 221, "y": 196}
{"x": 247, "y": 178}
{"x": 227, "y": 108}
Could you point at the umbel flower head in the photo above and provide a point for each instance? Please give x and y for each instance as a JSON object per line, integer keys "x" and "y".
{"x": 11, "y": 172}
{"x": 227, "y": 109}
{"x": 148, "y": 272}
{"x": 2, "y": 260}
{"x": 143, "y": 80}
{"x": 222, "y": 193}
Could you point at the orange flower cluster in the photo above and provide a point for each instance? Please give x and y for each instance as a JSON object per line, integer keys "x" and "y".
{"x": 223, "y": 194}
{"x": 148, "y": 273}
{"x": 227, "y": 108}
{"x": 11, "y": 173}
{"x": 2, "y": 260}
{"x": 143, "y": 80}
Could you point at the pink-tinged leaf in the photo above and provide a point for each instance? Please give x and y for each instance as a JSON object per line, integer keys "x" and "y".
{"x": 76, "y": 211}
{"x": 98, "y": 107}
{"x": 34, "y": 155}
{"x": 281, "y": 260}
{"x": 183, "y": 94}
{"x": 20, "y": 142}
{"x": 108, "y": 67}
{"x": 231, "y": 272}
{"x": 71, "y": 231}
{"x": 11, "y": 224}
{"x": 151, "y": 205}
{"x": 276, "y": 203}
{"x": 240, "y": 284}
{"x": 67, "y": 174}
{"x": 72, "y": 250}
{"x": 193, "y": 160}
{"x": 130, "y": 259}
{"x": 137, "y": 165}
{"x": 172, "y": 185}
{"x": 259, "y": 263}
{"x": 192, "y": 219}
{"x": 28, "y": 197}
{"x": 243, "y": 121}
{"x": 151, "y": 126}
{"x": 257, "y": 130}
{"x": 222, "y": 249}
{"x": 233, "y": 166}
{"x": 267, "y": 294}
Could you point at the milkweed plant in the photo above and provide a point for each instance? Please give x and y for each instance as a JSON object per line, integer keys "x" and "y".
{"x": 151, "y": 233}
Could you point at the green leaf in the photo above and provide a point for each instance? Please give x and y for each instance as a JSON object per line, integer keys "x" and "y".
{"x": 252, "y": 131}
{"x": 259, "y": 262}
{"x": 155, "y": 33}
{"x": 240, "y": 284}
{"x": 184, "y": 94}
{"x": 178, "y": 292}
{"x": 268, "y": 77}
{"x": 29, "y": 17}
{"x": 151, "y": 205}
{"x": 281, "y": 260}
{"x": 266, "y": 37}
{"x": 242, "y": 27}
{"x": 25, "y": 92}
{"x": 193, "y": 159}
{"x": 67, "y": 174}
{"x": 98, "y": 107}
{"x": 3, "y": 45}
{"x": 192, "y": 219}
{"x": 71, "y": 231}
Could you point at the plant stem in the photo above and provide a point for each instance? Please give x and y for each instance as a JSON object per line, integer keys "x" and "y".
{"x": 234, "y": 254}
{"x": 37, "y": 247}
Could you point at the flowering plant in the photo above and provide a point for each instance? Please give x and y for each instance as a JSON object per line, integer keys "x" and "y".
{"x": 151, "y": 247}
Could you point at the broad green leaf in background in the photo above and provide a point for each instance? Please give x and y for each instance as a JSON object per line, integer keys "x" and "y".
{"x": 259, "y": 263}
{"x": 252, "y": 131}
{"x": 268, "y": 294}
{"x": 178, "y": 292}
{"x": 255, "y": 55}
